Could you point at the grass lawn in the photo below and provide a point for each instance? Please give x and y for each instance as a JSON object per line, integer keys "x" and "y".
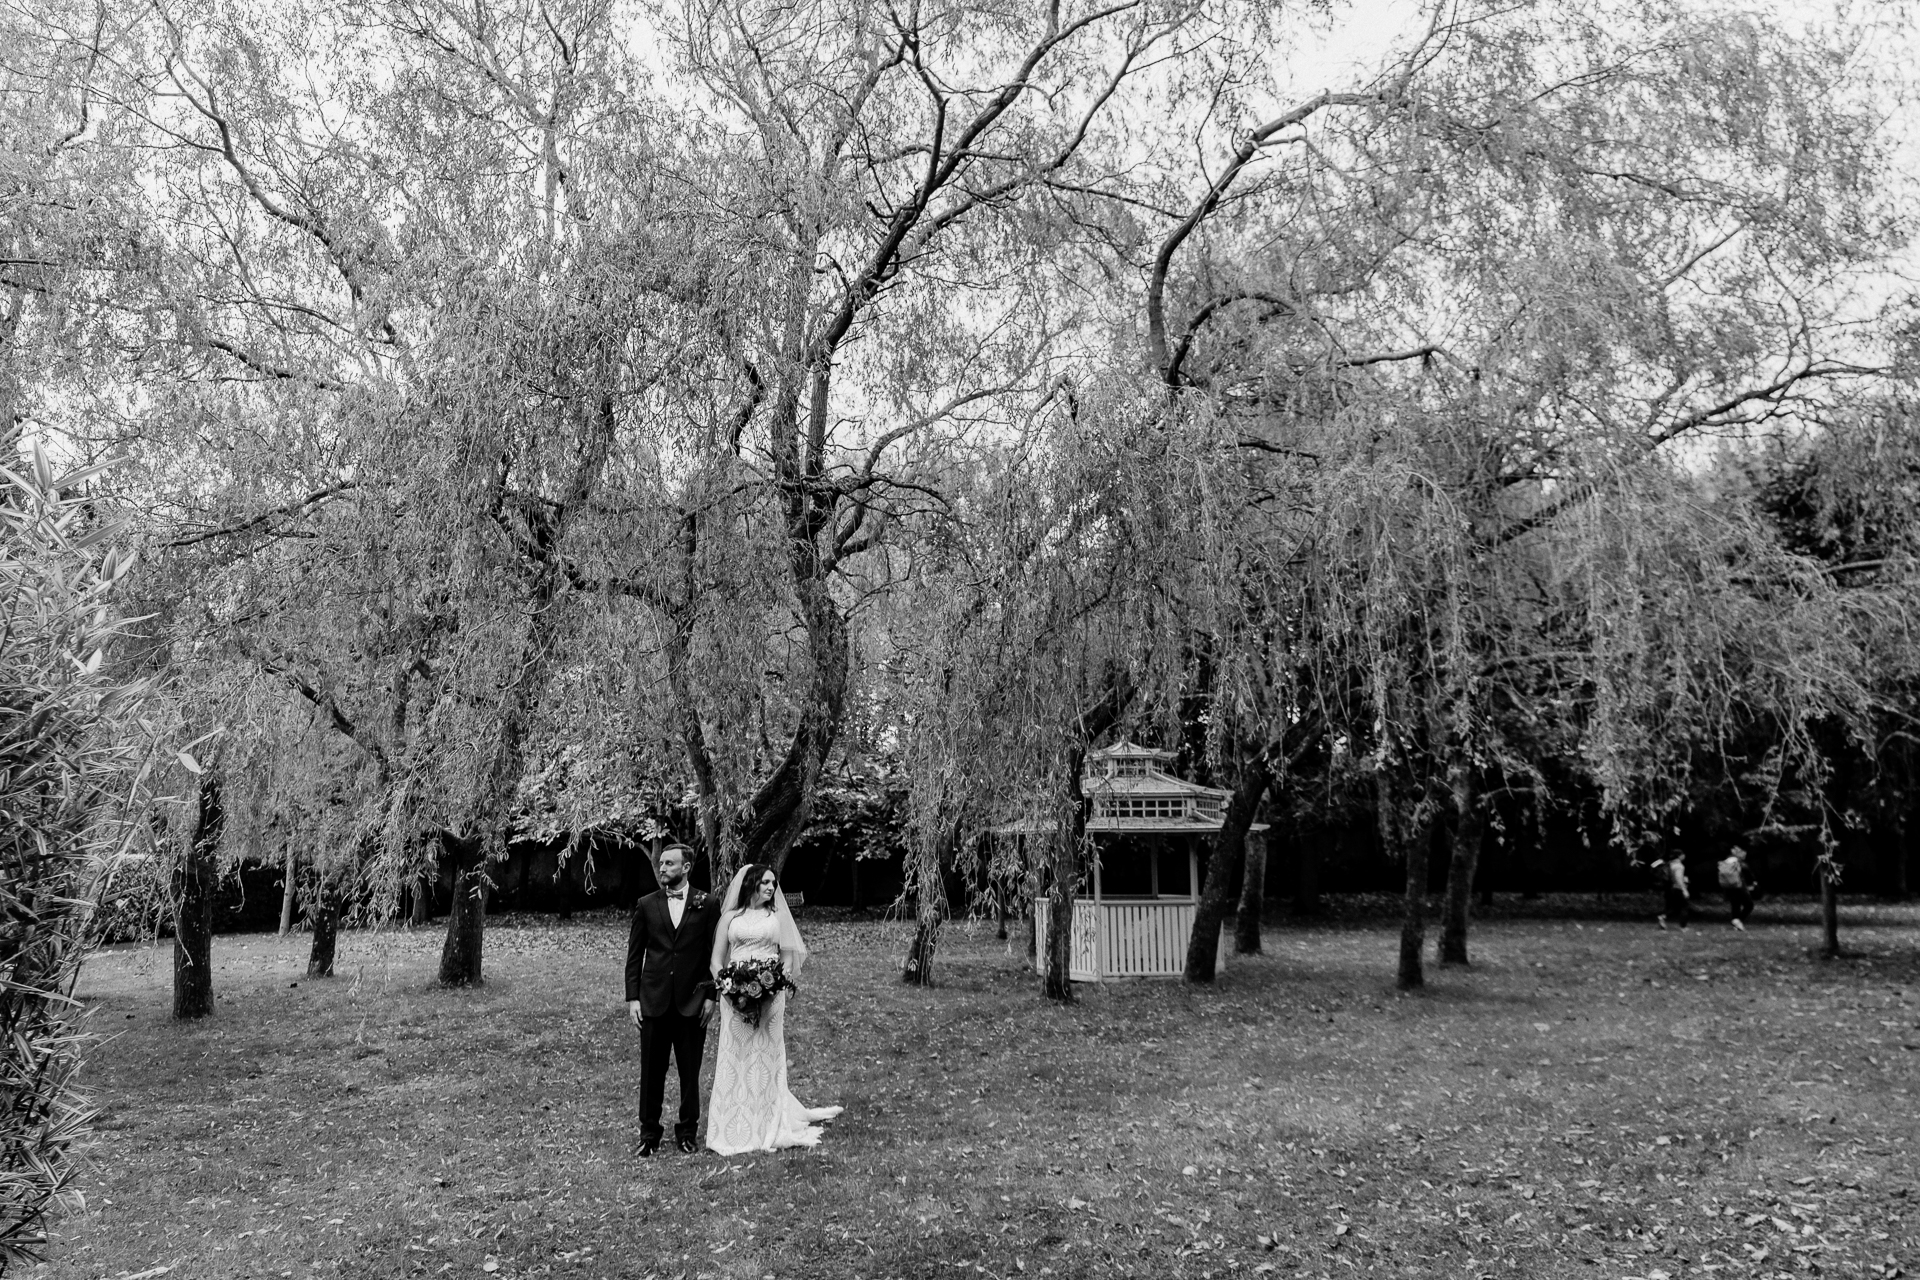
{"x": 1593, "y": 1098}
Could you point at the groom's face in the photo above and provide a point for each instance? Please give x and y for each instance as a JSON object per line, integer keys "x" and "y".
{"x": 673, "y": 868}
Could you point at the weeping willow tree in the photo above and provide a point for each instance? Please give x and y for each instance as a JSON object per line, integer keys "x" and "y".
{"x": 612, "y": 364}
{"x": 1046, "y": 619}
{"x": 884, "y": 180}
{"x": 1843, "y": 495}
{"x": 1511, "y": 276}
{"x": 404, "y": 349}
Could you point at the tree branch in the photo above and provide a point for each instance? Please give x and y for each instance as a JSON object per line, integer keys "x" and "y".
{"x": 313, "y": 499}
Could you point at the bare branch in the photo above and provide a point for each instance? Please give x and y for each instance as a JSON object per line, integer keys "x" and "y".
{"x": 269, "y": 370}
{"x": 370, "y": 745}
{"x": 314, "y": 499}
{"x": 206, "y": 103}
{"x": 1243, "y": 155}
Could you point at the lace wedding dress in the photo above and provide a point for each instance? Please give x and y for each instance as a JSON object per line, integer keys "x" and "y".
{"x": 751, "y": 1109}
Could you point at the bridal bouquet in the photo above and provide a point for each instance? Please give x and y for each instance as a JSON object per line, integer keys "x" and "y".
{"x": 749, "y": 985}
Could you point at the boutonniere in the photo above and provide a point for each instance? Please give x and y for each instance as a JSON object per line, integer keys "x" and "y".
{"x": 696, "y": 899}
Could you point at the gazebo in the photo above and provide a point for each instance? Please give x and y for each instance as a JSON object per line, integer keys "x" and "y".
{"x": 1146, "y": 827}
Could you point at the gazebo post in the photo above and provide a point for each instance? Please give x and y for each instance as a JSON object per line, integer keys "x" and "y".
{"x": 1153, "y": 865}
{"x": 1099, "y": 920}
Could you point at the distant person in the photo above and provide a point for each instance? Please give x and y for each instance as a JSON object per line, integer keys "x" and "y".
{"x": 1736, "y": 885}
{"x": 1673, "y": 879}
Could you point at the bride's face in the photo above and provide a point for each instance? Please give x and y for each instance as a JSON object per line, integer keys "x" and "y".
{"x": 763, "y": 892}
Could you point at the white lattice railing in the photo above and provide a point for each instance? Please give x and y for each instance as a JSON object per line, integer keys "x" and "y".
{"x": 1133, "y": 939}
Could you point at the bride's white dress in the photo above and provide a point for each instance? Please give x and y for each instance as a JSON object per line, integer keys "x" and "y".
{"x": 751, "y": 1109}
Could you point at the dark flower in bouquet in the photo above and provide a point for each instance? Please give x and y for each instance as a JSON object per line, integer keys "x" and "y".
{"x": 750, "y": 986}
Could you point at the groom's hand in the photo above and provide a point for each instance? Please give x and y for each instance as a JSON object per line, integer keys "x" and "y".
{"x": 706, "y": 1013}
{"x": 633, "y": 1013}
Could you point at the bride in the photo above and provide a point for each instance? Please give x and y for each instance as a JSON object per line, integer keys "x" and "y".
{"x": 751, "y": 1109}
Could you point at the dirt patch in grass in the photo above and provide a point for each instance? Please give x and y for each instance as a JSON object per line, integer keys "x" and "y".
{"x": 1590, "y": 1099}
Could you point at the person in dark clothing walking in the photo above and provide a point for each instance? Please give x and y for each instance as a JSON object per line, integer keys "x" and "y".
{"x": 1735, "y": 884}
{"x": 1679, "y": 902}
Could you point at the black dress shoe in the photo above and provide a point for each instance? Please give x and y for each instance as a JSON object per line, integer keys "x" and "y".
{"x": 647, "y": 1149}
{"x": 689, "y": 1146}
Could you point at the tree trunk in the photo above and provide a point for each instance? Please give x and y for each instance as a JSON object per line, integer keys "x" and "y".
{"x": 421, "y": 908}
{"x": 466, "y": 921}
{"x": 193, "y": 885}
{"x": 918, "y": 971}
{"x": 1253, "y": 894}
{"x": 1060, "y": 895}
{"x": 286, "y": 893}
{"x": 1830, "y": 907}
{"x": 1029, "y": 928}
{"x": 326, "y": 927}
{"x": 1399, "y": 833}
{"x": 779, "y": 809}
{"x": 1070, "y": 835}
{"x": 485, "y": 830}
{"x": 1413, "y": 927}
{"x": 929, "y": 893}
{"x": 1229, "y": 852}
{"x": 485, "y": 837}
{"x": 1468, "y": 832}
{"x": 693, "y": 733}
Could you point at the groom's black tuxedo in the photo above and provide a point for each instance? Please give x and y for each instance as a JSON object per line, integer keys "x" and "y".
{"x": 668, "y": 973}
{"x": 667, "y": 967}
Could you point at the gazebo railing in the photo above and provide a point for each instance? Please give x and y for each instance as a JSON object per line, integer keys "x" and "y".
{"x": 1123, "y": 939}
{"x": 1083, "y": 956}
{"x": 1146, "y": 939}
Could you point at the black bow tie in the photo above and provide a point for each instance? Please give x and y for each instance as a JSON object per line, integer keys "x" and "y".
{"x": 676, "y": 893}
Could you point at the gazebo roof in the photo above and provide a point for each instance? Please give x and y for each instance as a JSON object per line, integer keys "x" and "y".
{"x": 1097, "y": 825}
{"x": 1200, "y": 808}
{"x": 1125, "y": 750}
{"x": 1196, "y": 825}
{"x": 1147, "y": 777}
{"x": 1155, "y": 783}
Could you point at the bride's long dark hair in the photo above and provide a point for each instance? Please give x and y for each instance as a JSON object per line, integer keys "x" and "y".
{"x": 750, "y": 884}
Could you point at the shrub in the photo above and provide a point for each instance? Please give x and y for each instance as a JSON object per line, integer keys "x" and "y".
{"x": 67, "y": 779}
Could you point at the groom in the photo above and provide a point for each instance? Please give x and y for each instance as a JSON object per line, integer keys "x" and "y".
{"x": 670, "y": 994}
